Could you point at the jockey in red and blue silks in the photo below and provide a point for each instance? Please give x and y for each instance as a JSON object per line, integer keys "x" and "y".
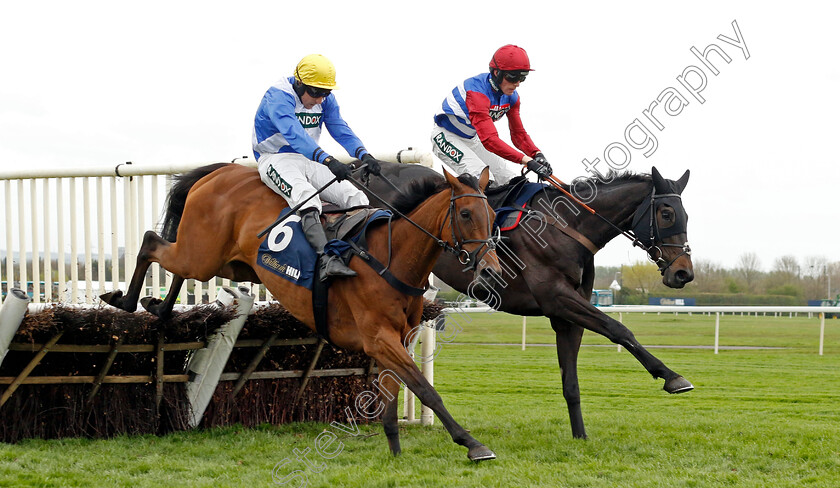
{"x": 464, "y": 136}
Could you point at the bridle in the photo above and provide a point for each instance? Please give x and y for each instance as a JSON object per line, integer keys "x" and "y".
{"x": 470, "y": 259}
{"x": 641, "y": 235}
{"x": 646, "y": 232}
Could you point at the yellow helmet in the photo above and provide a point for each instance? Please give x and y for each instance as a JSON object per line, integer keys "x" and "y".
{"x": 316, "y": 70}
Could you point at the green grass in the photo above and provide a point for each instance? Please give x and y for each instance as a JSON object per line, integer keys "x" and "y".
{"x": 757, "y": 419}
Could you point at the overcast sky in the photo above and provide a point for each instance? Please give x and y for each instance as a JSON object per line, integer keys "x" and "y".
{"x": 101, "y": 83}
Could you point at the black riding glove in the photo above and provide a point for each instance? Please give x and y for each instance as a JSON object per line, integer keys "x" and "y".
{"x": 339, "y": 169}
{"x": 540, "y": 166}
{"x": 373, "y": 166}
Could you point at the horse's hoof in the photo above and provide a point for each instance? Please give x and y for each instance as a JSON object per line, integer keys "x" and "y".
{"x": 678, "y": 385}
{"x": 113, "y": 298}
{"x": 150, "y": 303}
{"x": 480, "y": 453}
{"x": 153, "y": 306}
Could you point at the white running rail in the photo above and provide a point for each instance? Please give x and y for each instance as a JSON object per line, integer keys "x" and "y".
{"x": 71, "y": 234}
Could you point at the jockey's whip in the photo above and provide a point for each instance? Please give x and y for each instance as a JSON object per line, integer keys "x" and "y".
{"x": 297, "y": 207}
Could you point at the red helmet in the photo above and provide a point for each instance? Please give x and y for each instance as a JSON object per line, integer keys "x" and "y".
{"x": 510, "y": 58}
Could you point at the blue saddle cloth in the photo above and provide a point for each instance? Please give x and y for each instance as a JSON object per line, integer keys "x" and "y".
{"x": 509, "y": 214}
{"x": 286, "y": 252}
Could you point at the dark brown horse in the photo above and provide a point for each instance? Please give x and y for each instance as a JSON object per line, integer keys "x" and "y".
{"x": 214, "y": 214}
{"x": 548, "y": 262}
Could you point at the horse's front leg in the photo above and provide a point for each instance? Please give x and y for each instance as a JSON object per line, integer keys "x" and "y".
{"x": 569, "y": 305}
{"x": 390, "y": 354}
{"x": 568, "y": 344}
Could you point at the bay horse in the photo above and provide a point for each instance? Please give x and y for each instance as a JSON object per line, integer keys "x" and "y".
{"x": 547, "y": 271}
{"x": 214, "y": 214}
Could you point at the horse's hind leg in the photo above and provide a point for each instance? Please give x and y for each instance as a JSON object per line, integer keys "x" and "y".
{"x": 390, "y": 354}
{"x": 163, "y": 308}
{"x": 148, "y": 249}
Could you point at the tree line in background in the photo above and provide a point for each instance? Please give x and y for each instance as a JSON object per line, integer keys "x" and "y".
{"x": 788, "y": 282}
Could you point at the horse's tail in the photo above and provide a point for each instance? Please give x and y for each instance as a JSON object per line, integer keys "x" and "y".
{"x": 177, "y": 198}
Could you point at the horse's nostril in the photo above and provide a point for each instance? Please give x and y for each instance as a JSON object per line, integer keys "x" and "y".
{"x": 684, "y": 276}
{"x": 489, "y": 277}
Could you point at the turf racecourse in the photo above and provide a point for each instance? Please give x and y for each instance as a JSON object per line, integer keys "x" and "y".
{"x": 758, "y": 418}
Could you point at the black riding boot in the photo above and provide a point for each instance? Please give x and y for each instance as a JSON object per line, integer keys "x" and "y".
{"x": 314, "y": 232}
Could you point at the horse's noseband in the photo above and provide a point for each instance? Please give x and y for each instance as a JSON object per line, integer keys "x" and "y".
{"x": 659, "y": 260}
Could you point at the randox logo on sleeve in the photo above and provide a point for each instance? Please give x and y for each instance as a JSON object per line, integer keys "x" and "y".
{"x": 309, "y": 120}
{"x": 445, "y": 147}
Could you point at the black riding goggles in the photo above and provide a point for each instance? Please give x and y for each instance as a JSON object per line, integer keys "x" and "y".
{"x": 515, "y": 76}
{"x": 316, "y": 92}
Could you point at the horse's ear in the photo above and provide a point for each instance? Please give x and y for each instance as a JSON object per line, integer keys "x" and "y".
{"x": 484, "y": 178}
{"x": 659, "y": 183}
{"x": 452, "y": 180}
{"x": 683, "y": 181}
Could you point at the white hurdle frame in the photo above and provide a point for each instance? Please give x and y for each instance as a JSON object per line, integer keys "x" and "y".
{"x": 72, "y": 229}
{"x": 44, "y": 226}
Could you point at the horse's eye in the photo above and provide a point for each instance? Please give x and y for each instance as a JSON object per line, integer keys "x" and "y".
{"x": 465, "y": 214}
{"x": 667, "y": 215}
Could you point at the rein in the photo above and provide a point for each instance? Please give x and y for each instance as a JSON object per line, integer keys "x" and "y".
{"x": 653, "y": 231}
{"x": 464, "y": 257}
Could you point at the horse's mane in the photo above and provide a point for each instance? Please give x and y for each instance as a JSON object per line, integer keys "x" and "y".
{"x": 616, "y": 178}
{"x": 611, "y": 179}
{"x": 419, "y": 190}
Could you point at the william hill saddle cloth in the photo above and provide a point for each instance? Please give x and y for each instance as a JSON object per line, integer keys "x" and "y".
{"x": 286, "y": 252}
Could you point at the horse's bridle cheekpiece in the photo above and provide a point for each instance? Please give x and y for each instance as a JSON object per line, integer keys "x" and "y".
{"x": 474, "y": 257}
{"x": 647, "y": 231}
